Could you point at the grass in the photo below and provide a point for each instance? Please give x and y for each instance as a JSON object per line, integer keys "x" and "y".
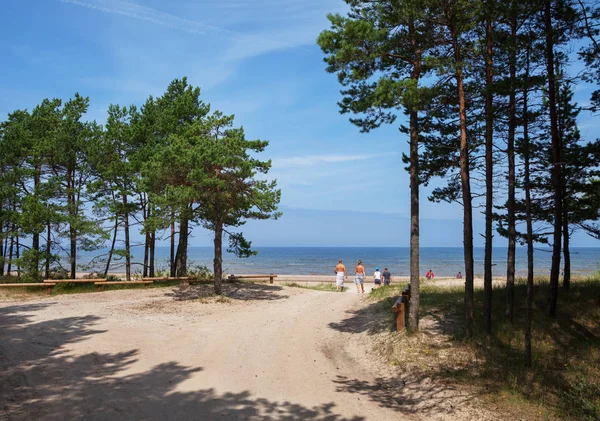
{"x": 318, "y": 287}
{"x": 565, "y": 378}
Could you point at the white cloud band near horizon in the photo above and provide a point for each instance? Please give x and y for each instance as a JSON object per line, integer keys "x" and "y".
{"x": 312, "y": 160}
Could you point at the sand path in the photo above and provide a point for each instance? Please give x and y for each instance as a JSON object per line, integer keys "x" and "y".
{"x": 272, "y": 353}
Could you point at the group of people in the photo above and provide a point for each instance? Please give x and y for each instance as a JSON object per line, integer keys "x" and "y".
{"x": 379, "y": 277}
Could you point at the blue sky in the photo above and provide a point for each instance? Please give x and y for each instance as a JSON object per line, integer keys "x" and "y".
{"x": 256, "y": 59}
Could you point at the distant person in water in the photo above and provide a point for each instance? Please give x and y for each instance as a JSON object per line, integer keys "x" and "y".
{"x": 430, "y": 274}
{"x": 340, "y": 275}
{"x": 387, "y": 277}
{"x": 359, "y": 277}
{"x": 377, "y": 277}
{"x": 459, "y": 275}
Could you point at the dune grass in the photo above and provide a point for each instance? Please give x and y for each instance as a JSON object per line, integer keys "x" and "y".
{"x": 565, "y": 378}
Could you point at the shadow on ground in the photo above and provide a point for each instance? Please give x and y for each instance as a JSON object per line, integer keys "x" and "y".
{"x": 232, "y": 290}
{"x": 40, "y": 380}
{"x": 416, "y": 395}
{"x": 371, "y": 319}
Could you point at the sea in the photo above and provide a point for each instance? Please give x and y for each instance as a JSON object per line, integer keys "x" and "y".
{"x": 444, "y": 261}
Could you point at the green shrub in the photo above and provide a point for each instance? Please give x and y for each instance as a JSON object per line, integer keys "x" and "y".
{"x": 200, "y": 272}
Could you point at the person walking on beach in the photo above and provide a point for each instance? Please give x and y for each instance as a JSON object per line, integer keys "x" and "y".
{"x": 377, "y": 277}
{"x": 429, "y": 274}
{"x": 387, "y": 277}
{"x": 340, "y": 275}
{"x": 359, "y": 277}
{"x": 459, "y": 275}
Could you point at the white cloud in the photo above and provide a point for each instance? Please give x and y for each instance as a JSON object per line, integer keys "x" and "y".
{"x": 312, "y": 160}
{"x": 136, "y": 11}
{"x": 257, "y": 28}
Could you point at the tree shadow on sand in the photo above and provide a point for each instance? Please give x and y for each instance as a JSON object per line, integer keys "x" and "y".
{"x": 243, "y": 291}
{"x": 414, "y": 395}
{"x": 41, "y": 380}
{"x": 367, "y": 319}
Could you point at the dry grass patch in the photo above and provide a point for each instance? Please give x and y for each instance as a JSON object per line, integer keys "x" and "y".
{"x": 565, "y": 379}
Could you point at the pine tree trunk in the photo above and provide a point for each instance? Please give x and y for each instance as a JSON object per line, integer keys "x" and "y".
{"x": 152, "y": 252}
{"x": 489, "y": 174}
{"x": 146, "y": 251}
{"x": 529, "y": 219}
{"x": 566, "y": 251}
{"x": 172, "y": 255}
{"x": 72, "y": 232}
{"x": 127, "y": 242}
{"x": 218, "y": 260}
{"x": 7, "y": 237}
{"x": 35, "y": 237}
{"x": 10, "y": 249}
{"x": 510, "y": 151}
{"x": 466, "y": 187}
{"x": 413, "y": 317}
{"x": 556, "y": 169}
{"x": 73, "y": 256}
{"x": 144, "y": 206}
{"x": 18, "y": 255}
{"x": 181, "y": 259}
{"x": 48, "y": 249}
{"x": 2, "y": 262}
{"x": 6, "y": 243}
{"x": 112, "y": 247}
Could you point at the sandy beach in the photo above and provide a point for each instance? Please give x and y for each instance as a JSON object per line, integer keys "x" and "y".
{"x": 268, "y": 352}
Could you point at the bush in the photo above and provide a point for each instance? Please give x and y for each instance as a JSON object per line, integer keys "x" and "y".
{"x": 92, "y": 275}
{"x": 59, "y": 273}
{"x": 201, "y": 273}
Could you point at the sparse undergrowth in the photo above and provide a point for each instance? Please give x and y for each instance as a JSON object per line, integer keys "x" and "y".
{"x": 317, "y": 287}
{"x": 565, "y": 378}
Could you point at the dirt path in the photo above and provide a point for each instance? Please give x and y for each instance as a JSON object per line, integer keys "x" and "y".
{"x": 270, "y": 353}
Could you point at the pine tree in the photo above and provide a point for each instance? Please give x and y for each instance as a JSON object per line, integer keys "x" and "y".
{"x": 379, "y": 52}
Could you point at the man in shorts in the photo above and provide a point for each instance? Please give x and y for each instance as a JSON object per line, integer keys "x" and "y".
{"x": 377, "y": 277}
{"x": 359, "y": 277}
{"x": 340, "y": 275}
{"x": 387, "y": 277}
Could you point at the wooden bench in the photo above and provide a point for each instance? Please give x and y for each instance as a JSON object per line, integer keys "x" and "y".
{"x": 74, "y": 281}
{"x": 48, "y": 285}
{"x": 101, "y": 284}
{"x": 271, "y": 277}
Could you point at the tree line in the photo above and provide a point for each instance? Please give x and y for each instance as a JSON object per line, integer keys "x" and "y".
{"x": 68, "y": 184}
{"x": 486, "y": 88}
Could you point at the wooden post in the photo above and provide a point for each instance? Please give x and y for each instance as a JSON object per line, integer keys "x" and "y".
{"x": 49, "y": 290}
{"x": 99, "y": 288}
{"x": 271, "y": 279}
{"x": 400, "y": 318}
